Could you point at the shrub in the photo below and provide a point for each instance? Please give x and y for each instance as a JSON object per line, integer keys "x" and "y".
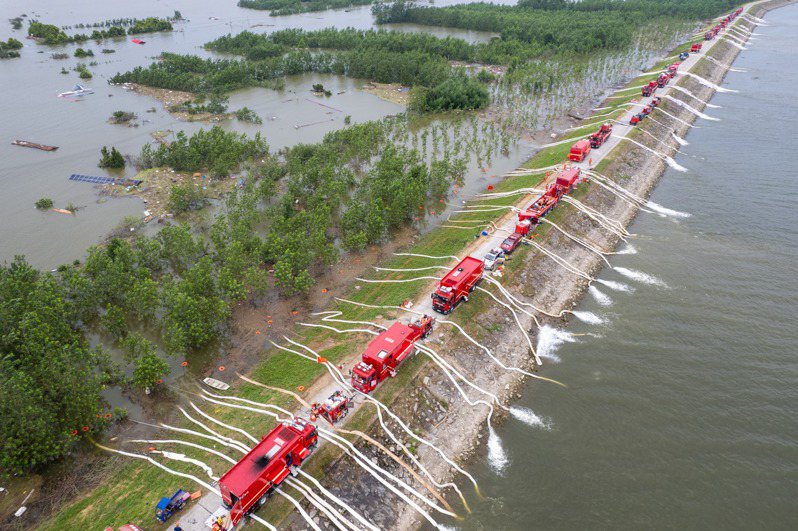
{"x": 45, "y": 203}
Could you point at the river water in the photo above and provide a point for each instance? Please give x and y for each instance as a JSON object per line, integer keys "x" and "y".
{"x": 31, "y": 111}
{"x": 681, "y": 412}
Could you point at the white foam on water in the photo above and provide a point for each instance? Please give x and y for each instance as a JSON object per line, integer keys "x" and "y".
{"x": 680, "y": 140}
{"x": 640, "y": 276}
{"x": 588, "y": 317}
{"x": 668, "y": 160}
{"x": 738, "y": 69}
{"x": 628, "y": 249}
{"x": 673, "y": 164}
{"x": 616, "y": 286}
{"x": 692, "y": 109}
{"x": 685, "y": 91}
{"x": 667, "y": 211}
{"x": 497, "y": 457}
{"x": 528, "y": 417}
{"x": 602, "y": 298}
{"x": 549, "y": 340}
{"x": 708, "y": 83}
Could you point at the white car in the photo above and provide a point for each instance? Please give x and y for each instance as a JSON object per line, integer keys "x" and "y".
{"x": 493, "y": 258}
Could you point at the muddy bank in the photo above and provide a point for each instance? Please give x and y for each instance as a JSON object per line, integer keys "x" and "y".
{"x": 174, "y": 98}
{"x": 436, "y": 409}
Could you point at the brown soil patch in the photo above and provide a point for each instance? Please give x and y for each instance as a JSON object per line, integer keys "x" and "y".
{"x": 157, "y": 183}
{"x": 170, "y": 98}
{"x": 393, "y": 92}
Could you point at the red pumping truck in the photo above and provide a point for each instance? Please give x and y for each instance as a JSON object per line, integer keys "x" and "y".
{"x": 695, "y": 47}
{"x": 387, "y": 351}
{"x": 599, "y": 137}
{"x": 251, "y": 481}
{"x": 649, "y": 89}
{"x": 663, "y": 79}
{"x": 566, "y": 180}
{"x": 333, "y": 409}
{"x": 579, "y": 151}
{"x": 457, "y": 284}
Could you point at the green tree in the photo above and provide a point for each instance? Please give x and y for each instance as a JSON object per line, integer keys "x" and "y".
{"x": 149, "y": 371}
{"x": 51, "y": 381}
{"x": 111, "y": 159}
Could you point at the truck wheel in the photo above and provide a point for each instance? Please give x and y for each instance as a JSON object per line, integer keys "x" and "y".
{"x": 263, "y": 499}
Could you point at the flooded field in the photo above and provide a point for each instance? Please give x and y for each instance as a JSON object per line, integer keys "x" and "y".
{"x": 32, "y": 112}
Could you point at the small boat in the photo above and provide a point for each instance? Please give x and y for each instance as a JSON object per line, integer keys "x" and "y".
{"x": 137, "y": 41}
{"x": 77, "y": 92}
{"x": 216, "y": 384}
{"x": 25, "y": 143}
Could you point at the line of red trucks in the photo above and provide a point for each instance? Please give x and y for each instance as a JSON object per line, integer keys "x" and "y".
{"x": 251, "y": 481}
{"x": 581, "y": 149}
{"x": 728, "y": 19}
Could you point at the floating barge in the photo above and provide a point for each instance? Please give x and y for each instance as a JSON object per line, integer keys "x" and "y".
{"x": 25, "y": 143}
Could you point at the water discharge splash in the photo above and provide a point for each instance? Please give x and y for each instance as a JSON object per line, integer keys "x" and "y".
{"x": 497, "y": 457}
{"x": 550, "y": 339}
{"x": 685, "y": 91}
{"x": 692, "y": 109}
{"x": 641, "y": 277}
{"x": 588, "y": 317}
{"x": 667, "y": 211}
{"x": 628, "y": 249}
{"x": 668, "y": 160}
{"x": 708, "y": 83}
{"x": 680, "y": 140}
{"x": 616, "y": 286}
{"x": 528, "y": 417}
{"x": 602, "y": 298}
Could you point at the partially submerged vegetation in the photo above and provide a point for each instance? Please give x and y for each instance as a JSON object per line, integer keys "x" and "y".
{"x": 292, "y": 7}
{"x": 10, "y": 48}
{"x": 51, "y": 34}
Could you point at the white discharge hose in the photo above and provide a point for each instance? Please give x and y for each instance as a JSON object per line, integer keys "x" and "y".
{"x": 340, "y": 378}
{"x": 222, "y": 424}
{"x": 185, "y": 443}
{"x": 317, "y": 501}
{"x": 182, "y": 475}
{"x": 345, "y": 506}
{"x": 230, "y": 440}
{"x": 299, "y": 508}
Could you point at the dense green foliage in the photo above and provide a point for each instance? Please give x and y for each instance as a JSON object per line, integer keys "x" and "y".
{"x": 51, "y": 380}
{"x": 554, "y": 26}
{"x": 111, "y": 159}
{"x": 150, "y": 25}
{"x": 215, "y": 150}
{"x": 48, "y": 33}
{"x": 80, "y": 52}
{"x": 457, "y": 92}
{"x": 45, "y": 203}
{"x": 291, "y": 7}
{"x": 9, "y": 48}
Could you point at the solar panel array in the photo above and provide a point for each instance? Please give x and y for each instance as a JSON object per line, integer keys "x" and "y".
{"x": 103, "y": 180}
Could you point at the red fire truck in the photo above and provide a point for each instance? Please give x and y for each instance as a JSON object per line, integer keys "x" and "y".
{"x": 457, "y": 284}
{"x": 385, "y": 352}
{"x": 251, "y": 481}
{"x": 334, "y": 408}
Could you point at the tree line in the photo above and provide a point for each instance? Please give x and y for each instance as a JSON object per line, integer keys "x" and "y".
{"x": 350, "y": 190}
{"x": 555, "y": 26}
{"x": 292, "y": 7}
{"x": 51, "y": 34}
